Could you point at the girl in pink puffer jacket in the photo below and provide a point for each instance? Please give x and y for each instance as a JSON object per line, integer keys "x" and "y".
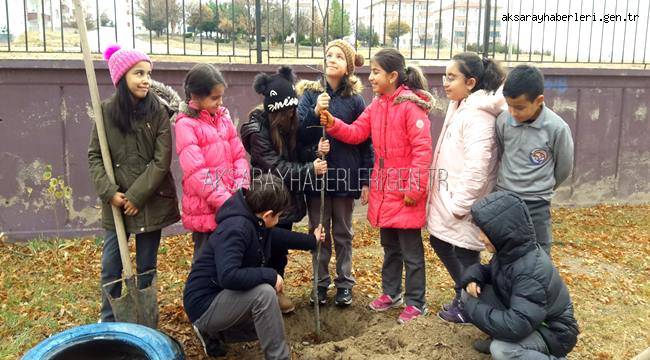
{"x": 398, "y": 123}
{"x": 211, "y": 154}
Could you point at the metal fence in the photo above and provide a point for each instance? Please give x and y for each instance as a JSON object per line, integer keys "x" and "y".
{"x": 568, "y": 31}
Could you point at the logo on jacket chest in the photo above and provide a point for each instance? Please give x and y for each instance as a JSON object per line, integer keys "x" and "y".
{"x": 538, "y": 156}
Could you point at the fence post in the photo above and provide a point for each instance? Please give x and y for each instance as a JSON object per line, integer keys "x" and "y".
{"x": 258, "y": 30}
{"x": 486, "y": 29}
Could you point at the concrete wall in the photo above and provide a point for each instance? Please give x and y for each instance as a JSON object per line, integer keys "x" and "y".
{"x": 45, "y": 120}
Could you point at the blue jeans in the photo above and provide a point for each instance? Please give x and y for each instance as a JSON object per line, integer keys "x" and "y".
{"x": 146, "y": 258}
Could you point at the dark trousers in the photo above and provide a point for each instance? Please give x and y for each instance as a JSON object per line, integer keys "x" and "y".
{"x": 540, "y": 212}
{"x": 403, "y": 249}
{"x": 200, "y": 239}
{"x": 146, "y": 258}
{"x": 278, "y": 260}
{"x": 455, "y": 259}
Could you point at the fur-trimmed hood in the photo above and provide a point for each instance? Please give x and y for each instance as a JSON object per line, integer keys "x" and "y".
{"x": 352, "y": 86}
{"x": 421, "y": 98}
{"x": 168, "y": 97}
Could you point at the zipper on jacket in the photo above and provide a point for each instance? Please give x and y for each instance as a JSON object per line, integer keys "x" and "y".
{"x": 381, "y": 165}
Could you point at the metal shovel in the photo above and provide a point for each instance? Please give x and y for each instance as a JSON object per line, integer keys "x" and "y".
{"x": 138, "y": 306}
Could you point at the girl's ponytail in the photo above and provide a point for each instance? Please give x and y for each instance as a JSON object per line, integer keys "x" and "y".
{"x": 414, "y": 78}
{"x": 493, "y": 76}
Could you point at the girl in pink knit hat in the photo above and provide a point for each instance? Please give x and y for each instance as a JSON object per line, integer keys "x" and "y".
{"x": 136, "y": 120}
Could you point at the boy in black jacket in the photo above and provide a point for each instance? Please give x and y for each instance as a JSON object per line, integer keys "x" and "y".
{"x": 230, "y": 294}
{"x": 519, "y": 298}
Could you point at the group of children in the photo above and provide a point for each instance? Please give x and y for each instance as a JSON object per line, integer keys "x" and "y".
{"x": 498, "y": 159}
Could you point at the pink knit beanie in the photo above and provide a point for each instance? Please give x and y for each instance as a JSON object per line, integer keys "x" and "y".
{"x": 121, "y": 60}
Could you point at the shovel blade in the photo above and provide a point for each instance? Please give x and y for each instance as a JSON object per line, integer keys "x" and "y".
{"x": 137, "y": 306}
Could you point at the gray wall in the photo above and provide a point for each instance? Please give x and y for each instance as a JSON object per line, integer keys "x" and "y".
{"x": 44, "y": 120}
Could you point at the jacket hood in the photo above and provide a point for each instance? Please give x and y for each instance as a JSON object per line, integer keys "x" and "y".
{"x": 236, "y": 206}
{"x": 354, "y": 85}
{"x": 504, "y": 218}
{"x": 421, "y": 98}
{"x": 493, "y": 103}
{"x": 167, "y": 96}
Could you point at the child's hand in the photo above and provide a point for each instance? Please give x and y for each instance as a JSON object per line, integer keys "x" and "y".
{"x": 365, "y": 195}
{"x": 322, "y": 103}
{"x": 130, "y": 209}
{"x": 279, "y": 284}
{"x": 319, "y": 233}
{"x": 320, "y": 166}
{"x": 323, "y": 147}
{"x": 326, "y": 119}
{"x": 118, "y": 199}
{"x": 408, "y": 201}
{"x": 473, "y": 289}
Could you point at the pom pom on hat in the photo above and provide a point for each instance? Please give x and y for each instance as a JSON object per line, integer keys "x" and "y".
{"x": 110, "y": 50}
{"x": 120, "y": 60}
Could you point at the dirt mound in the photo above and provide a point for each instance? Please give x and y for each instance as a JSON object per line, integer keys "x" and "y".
{"x": 359, "y": 333}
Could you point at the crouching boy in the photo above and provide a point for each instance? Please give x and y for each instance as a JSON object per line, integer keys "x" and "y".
{"x": 518, "y": 299}
{"x": 230, "y": 294}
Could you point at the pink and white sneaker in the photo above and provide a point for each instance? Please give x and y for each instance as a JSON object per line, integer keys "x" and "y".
{"x": 411, "y": 312}
{"x": 385, "y": 302}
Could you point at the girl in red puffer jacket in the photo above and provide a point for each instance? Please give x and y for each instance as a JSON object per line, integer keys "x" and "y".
{"x": 211, "y": 154}
{"x": 398, "y": 124}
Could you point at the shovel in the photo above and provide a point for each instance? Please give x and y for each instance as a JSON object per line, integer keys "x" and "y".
{"x": 138, "y": 306}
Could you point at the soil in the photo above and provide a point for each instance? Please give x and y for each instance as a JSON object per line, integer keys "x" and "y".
{"x": 356, "y": 333}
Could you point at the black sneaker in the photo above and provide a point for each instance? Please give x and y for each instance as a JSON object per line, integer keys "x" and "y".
{"x": 482, "y": 345}
{"x": 211, "y": 346}
{"x": 343, "y": 297}
{"x": 322, "y": 296}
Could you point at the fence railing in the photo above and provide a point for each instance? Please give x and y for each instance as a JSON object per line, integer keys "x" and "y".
{"x": 568, "y": 31}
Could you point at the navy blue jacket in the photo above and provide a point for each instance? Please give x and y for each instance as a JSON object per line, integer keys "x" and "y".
{"x": 523, "y": 277}
{"x": 236, "y": 255}
{"x": 348, "y": 165}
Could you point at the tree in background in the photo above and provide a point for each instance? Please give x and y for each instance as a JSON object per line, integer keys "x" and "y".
{"x": 201, "y": 20}
{"x": 304, "y": 25}
{"x": 274, "y": 12}
{"x": 396, "y": 30}
{"x": 339, "y": 21}
{"x": 363, "y": 35}
{"x": 156, "y": 15}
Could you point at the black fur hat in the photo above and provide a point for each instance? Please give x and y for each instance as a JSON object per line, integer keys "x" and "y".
{"x": 278, "y": 89}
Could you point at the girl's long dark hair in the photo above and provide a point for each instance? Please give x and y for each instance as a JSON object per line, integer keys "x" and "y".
{"x": 392, "y": 60}
{"x": 126, "y": 110}
{"x": 283, "y": 126}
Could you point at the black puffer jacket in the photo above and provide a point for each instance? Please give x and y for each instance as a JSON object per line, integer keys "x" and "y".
{"x": 290, "y": 166}
{"x": 523, "y": 277}
{"x": 236, "y": 255}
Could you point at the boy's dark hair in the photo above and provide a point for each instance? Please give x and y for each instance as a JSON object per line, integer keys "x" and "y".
{"x": 267, "y": 192}
{"x": 524, "y": 79}
{"x": 125, "y": 112}
{"x": 488, "y": 73}
{"x": 392, "y": 60}
{"x": 201, "y": 79}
